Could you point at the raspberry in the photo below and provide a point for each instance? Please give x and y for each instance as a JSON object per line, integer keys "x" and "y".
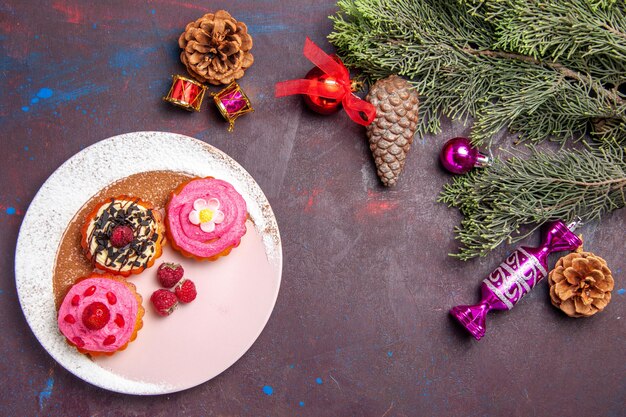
{"x": 186, "y": 291}
{"x": 169, "y": 274}
{"x": 109, "y": 340}
{"x": 96, "y": 316}
{"x": 121, "y": 236}
{"x": 111, "y": 298}
{"x": 119, "y": 320}
{"x": 78, "y": 341}
{"x": 164, "y": 301}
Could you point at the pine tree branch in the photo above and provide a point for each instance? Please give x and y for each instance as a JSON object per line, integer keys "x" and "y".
{"x": 621, "y": 182}
{"x": 614, "y": 31}
{"x": 543, "y": 68}
{"x": 566, "y": 72}
{"x": 513, "y": 198}
{"x": 569, "y": 72}
{"x": 586, "y": 35}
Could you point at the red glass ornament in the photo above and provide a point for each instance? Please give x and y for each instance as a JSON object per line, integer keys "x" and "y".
{"x": 318, "y": 104}
{"x": 337, "y": 86}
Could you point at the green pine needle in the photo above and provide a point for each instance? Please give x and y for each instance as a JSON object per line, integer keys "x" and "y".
{"x": 500, "y": 202}
{"x": 546, "y": 69}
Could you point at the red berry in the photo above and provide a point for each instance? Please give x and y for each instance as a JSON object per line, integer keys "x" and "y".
{"x": 111, "y": 298}
{"x": 96, "y": 316}
{"x": 164, "y": 302}
{"x": 78, "y": 341}
{"x": 75, "y": 300}
{"x": 186, "y": 291}
{"x": 89, "y": 291}
{"x": 119, "y": 320}
{"x": 169, "y": 274}
{"x": 110, "y": 339}
{"x": 121, "y": 236}
{"x": 70, "y": 319}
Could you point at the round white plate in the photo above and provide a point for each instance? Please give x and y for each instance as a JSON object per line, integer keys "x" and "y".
{"x": 236, "y": 294}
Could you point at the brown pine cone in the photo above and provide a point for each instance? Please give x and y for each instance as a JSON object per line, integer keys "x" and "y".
{"x": 391, "y": 133}
{"x": 216, "y": 48}
{"x": 580, "y": 284}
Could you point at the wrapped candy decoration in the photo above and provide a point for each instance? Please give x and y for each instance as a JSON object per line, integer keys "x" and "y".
{"x": 515, "y": 277}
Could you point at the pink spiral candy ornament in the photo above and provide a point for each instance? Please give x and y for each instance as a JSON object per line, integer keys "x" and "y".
{"x": 515, "y": 277}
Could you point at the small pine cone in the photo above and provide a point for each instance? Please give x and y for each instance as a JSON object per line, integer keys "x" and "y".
{"x": 580, "y": 284}
{"x": 391, "y": 133}
{"x": 216, "y": 48}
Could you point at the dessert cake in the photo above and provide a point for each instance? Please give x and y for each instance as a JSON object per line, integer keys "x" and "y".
{"x": 123, "y": 235}
{"x": 101, "y": 314}
{"x": 71, "y": 262}
{"x": 205, "y": 218}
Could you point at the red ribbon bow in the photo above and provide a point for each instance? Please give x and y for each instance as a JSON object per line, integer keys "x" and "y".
{"x": 359, "y": 110}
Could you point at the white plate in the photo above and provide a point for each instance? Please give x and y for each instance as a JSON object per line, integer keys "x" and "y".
{"x": 199, "y": 340}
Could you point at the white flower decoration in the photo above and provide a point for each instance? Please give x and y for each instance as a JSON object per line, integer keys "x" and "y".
{"x": 206, "y": 214}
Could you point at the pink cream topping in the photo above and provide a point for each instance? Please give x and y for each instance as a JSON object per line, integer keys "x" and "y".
{"x": 98, "y": 314}
{"x": 206, "y": 217}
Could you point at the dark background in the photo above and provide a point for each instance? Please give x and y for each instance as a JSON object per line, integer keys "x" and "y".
{"x": 361, "y": 326}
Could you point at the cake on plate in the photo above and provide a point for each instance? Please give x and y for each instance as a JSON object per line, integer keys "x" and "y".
{"x": 205, "y": 218}
{"x": 101, "y": 314}
{"x": 123, "y": 235}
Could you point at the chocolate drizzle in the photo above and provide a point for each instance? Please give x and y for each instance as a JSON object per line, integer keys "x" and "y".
{"x": 139, "y": 251}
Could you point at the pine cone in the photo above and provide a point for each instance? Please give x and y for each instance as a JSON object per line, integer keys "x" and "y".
{"x": 580, "y": 284}
{"x": 216, "y": 48}
{"x": 391, "y": 133}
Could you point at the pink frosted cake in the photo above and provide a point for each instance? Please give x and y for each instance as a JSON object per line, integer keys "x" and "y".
{"x": 101, "y": 314}
{"x": 205, "y": 218}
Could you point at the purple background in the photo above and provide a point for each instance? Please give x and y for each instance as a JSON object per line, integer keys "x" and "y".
{"x": 360, "y": 327}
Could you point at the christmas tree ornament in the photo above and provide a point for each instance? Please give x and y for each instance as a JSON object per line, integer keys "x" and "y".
{"x": 232, "y": 102}
{"x": 337, "y": 86}
{"x": 216, "y": 48}
{"x": 581, "y": 284}
{"x": 185, "y": 93}
{"x": 515, "y": 277}
{"x": 391, "y": 132}
{"x": 458, "y": 156}
{"x": 318, "y": 104}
